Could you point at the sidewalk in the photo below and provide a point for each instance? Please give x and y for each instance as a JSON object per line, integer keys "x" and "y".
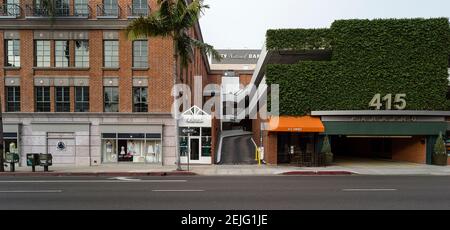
{"x": 346, "y": 167}
{"x": 155, "y": 170}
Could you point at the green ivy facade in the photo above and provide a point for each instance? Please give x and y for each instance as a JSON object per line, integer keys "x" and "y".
{"x": 395, "y": 56}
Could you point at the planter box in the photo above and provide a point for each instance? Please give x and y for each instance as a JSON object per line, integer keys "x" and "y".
{"x": 440, "y": 160}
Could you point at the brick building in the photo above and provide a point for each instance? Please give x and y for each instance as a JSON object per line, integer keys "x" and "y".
{"x": 75, "y": 86}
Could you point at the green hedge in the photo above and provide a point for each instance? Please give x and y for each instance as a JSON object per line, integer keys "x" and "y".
{"x": 380, "y": 56}
{"x": 298, "y": 39}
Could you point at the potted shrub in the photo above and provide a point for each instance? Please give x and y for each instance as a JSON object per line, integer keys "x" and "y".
{"x": 440, "y": 152}
{"x": 326, "y": 151}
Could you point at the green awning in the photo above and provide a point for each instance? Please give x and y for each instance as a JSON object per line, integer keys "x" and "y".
{"x": 384, "y": 128}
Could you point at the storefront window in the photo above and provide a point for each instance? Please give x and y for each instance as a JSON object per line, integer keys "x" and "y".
{"x": 153, "y": 152}
{"x": 187, "y": 134}
{"x": 132, "y": 147}
{"x": 109, "y": 151}
{"x": 184, "y": 145}
{"x": 206, "y": 142}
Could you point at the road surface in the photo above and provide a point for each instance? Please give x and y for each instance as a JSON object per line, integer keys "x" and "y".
{"x": 229, "y": 193}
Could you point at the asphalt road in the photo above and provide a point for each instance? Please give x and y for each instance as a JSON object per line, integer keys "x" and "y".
{"x": 229, "y": 193}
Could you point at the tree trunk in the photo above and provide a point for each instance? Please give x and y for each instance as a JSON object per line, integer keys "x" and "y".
{"x": 175, "y": 77}
{"x": 2, "y": 160}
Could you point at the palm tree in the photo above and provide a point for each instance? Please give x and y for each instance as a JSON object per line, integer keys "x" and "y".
{"x": 2, "y": 159}
{"x": 173, "y": 19}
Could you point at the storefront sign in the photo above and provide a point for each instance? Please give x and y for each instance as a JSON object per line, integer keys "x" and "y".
{"x": 193, "y": 119}
{"x": 384, "y": 118}
{"x": 294, "y": 129}
{"x": 188, "y": 131}
{"x": 399, "y": 102}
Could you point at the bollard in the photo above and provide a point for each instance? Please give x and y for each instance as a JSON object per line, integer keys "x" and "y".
{"x": 12, "y": 167}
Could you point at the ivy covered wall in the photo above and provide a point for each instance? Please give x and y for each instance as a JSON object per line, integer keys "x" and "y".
{"x": 394, "y": 56}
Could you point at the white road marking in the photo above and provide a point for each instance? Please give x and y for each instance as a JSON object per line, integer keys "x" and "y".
{"x": 125, "y": 179}
{"x": 370, "y": 190}
{"x": 95, "y": 181}
{"x": 178, "y": 190}
{"x": 32, "y": 191}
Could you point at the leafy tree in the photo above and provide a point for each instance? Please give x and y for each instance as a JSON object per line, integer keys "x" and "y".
{"x": 174, "y": 19}
{"x": 439, "y": 147}
{"x": 326, "y": 150}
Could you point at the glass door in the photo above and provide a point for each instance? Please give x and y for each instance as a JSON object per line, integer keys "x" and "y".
{"x": 194, "y": 147}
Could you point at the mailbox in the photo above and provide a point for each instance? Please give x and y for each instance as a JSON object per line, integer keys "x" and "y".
{"x": 12, "y": 158}
{"x": 45, "y": 159}
{"x": 32, "y": 159}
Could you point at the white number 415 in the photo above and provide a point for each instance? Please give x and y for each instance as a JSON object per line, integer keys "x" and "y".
{"x": 399, "y": 102}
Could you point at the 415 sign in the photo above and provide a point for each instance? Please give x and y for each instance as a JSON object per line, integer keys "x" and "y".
{"x": 397, "y": 102}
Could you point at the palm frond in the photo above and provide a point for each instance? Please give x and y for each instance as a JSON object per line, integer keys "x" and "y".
{"x": 209, "y": 49}
{"x": 189, "y": 14}
{"x": 150, "y": 26}
{"x": 184, "y": 48}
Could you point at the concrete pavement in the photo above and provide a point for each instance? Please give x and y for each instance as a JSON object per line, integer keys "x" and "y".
{"x": 226, "y": 193}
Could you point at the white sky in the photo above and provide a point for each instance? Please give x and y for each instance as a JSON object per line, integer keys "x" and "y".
{"x": 242, "y": 24}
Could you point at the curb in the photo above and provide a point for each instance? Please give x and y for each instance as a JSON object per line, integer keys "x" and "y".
{"x": 317, "y": 173}
{"x": 98, "y": 174}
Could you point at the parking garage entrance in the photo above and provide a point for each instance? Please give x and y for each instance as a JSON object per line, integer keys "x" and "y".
{"x": 396, "y": 148}
{"x": 394, "y": 137}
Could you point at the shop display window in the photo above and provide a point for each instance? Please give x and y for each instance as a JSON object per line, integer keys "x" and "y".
{"x": 133, "y": 148}
{"x": 109, "y": 151}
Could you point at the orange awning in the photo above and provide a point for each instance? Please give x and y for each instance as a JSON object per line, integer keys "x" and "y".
{"x": 304, "y": 124}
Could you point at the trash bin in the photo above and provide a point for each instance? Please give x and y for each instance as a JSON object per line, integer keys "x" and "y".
{"x": 12, "y": 159}
{"x": 45, "y": 160}
{"x": 33, "y": 160}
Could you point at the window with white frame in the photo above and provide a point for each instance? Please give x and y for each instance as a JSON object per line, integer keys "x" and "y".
{"x": 82, "y": 53}
{"x": 42, "y": 53}
{"x": 140, "y": 54}
{"x": 62, "y": 53}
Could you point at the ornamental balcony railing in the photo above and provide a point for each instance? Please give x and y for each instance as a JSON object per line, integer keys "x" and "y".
{"x": 108, "y": 11}
{"x": 135, "y": 12}
{"x": 10, "y": 11}
{"x": 79, "y": 11}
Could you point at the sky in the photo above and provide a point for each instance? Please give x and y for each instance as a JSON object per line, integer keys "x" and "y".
{"x": 242, "y": 24}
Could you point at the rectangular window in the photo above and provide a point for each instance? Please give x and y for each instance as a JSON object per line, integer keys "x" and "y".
{"x": 62, "y": 8}
{"x": 62, "y": 99}
{"x": 12, "y": 51}
{"x": 81, "y": 8}
{"x": 42, "y": 53}
{"x": 111, "y": 7}
{"x": 82, "y": 99}
{"x": 13, "y": 99}
{"x": 62, "y": 54}
{"x": 12, "y": 8}
{"x": 42, "y": 98}
{"x": 82, "y": 54}
{"x": 111, "y": 99}
{"x": 111, "y": 54}
{"x": 140, "y": 102}
{"x": 139, "y": 7}
{"x": 140, "y": 54}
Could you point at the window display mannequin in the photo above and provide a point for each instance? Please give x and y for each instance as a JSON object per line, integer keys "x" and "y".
{"x": 150, "y": 154}
{"x": 131, "y": 149}
{"x": 109, "y": 147}
{"x": 12, "y": 147}
{"x": 122, "y": 150}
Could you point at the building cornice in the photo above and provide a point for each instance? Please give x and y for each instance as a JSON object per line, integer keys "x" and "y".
{"x": 65, "y": 24}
